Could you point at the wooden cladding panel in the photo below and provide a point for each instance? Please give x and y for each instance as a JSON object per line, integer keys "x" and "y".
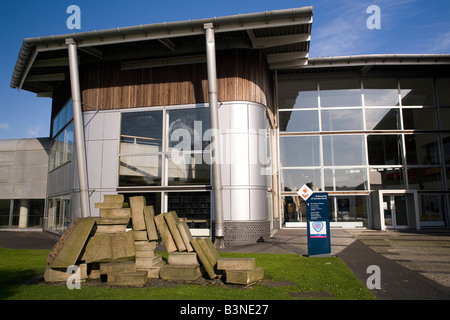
{"x": 241, "y": 76}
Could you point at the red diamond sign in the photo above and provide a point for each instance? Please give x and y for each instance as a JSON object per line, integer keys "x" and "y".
{"x": 305, "y": 192}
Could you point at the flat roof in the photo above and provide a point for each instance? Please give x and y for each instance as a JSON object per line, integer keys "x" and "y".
{"x": 284, "y": 35}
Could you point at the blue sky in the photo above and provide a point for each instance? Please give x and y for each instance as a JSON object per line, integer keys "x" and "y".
{"x": 339, "y": 28}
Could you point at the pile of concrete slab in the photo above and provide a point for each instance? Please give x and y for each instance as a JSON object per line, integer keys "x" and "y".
{"x": 103, "y": 248}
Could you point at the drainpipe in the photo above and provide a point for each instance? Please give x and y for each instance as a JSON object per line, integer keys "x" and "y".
{"x": 215, "y": 139}
{"x": 79, "y": 130}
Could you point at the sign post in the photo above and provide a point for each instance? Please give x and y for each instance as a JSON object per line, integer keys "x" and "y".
{"x": 318, "y": 222}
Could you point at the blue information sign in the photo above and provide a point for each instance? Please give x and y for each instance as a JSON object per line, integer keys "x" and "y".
{"x": 318, "y": 223}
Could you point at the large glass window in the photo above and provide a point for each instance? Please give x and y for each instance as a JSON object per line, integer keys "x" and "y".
{"x": 349, "y": 208}
{"x": 345, "y": 179}
{"x": 384, "y": 149}
{"x": 299, "y": 120}
{"x": 417, "y": 119}
{"x": 387, "y": 178}
{"x": 417, "y": 92}
{"x": 58, "y": 213}
{"x": 425, "y": 178}
{"x": 335, "y": 93}
{"x": 140, "y": 171}
{"x": 141, "y": 132}
{"x": 380, "y": 92}
{"x": 297, "y": 94}
{"x": 422, "y": 149}
{"x": 300, "y": 151}
{"x": 195, "y": 207}
{"x": 344, "y": 150}
{"x": 342, "y": 119}
{"x": 61, "y": 150}
{"x": 149, "y": 159}
{"x": 382, "y": 119}
{"x": 293, "y": 179}
{"x": 442, "y": 85}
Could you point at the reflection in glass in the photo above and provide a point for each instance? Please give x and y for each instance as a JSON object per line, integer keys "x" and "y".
{"x": 298, "y": 121}
{"x": 340, "y": 120}
{"x": 141, "y": 132}
{"x": 61, "y": 150}
{"x": 294, "y": 209}
{"x": 140, "y": 171}
{"x": 382, "y": 119}
{"x": 424, "y": 118}
{"x": 334, "y": 93}
{"x": 417, "y": 92}
{"x": 190, "y": 124}
{"x": 300, "y": 151}
{"x": 188, "y": 168}
{"x": 380, "y": 92}
{"x": 350, "y": 209}
{"x": 384, "y": 149}
{"x": 345, "y": 179}
{"x": 293, "y": 179}
{"x": 444, "y": 114}
{"x": 432, "y": 210}
{"x": 425, "y": 178}
{"x": 344, "y": 150}
{"x": 297, "y": 94}
{"x": 442, "y": 85}
{"x": 386, "y": 178}
{"x": 422, "y": 149}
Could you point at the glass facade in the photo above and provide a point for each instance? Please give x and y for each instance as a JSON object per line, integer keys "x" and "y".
{"x": 21, "y": 213}
{"x": 62, "y": 137}
{"x": 165, "y": 153}
{"x": 351, "y": 137}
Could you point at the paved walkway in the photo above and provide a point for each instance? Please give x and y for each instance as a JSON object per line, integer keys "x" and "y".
{"x": 413, "y": 265}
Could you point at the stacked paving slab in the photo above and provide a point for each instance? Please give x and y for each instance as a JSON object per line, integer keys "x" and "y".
{"x": 103, "y": 248}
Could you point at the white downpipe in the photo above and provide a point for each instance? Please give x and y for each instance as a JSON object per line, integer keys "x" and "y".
{"x": 78, "y": 124}
{"x": 215, "y": 139}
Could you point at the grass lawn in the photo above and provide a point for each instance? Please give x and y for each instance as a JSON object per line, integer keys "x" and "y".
{"x": 18, "y": 266}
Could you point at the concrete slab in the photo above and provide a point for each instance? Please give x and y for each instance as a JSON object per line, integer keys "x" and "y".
{"x": 137, "y": 205}
{"x": 116, "y": 267}
{"x": 115, "y": 213}
{"x": 186, "y": 235}
{"x": 67, "y": 250}
{"x": 180, "y": 272}
{"x": 165, "y": 233}
{"x": 149, "y": 215}
{"x": 204, "y": 260}
{"x": 236, "y": 264}
{"x": 172, "y": 221}
{"x": 183, "y": 258}
{"x": 138, "y": 278}
{"x": 244, "y": 277}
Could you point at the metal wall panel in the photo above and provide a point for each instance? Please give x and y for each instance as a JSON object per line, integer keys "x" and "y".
{"x": 244, "y": 184}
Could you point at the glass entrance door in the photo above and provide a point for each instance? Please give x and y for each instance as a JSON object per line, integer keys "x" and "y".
{"x": 395, "y": 211}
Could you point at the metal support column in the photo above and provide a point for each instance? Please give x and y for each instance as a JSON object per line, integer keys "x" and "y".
{"x": 78, "y": 124}
{"x": 215, "y": 139}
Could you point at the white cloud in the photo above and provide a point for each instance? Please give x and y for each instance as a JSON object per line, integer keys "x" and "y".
{"x": 33, "y": 131}
{"x": 440, "y": 44}
{"x": 4, "y": 127}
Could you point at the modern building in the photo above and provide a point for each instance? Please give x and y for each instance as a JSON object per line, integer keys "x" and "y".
{"x": 224, "y": 119}
{"x": 23, "y": 181}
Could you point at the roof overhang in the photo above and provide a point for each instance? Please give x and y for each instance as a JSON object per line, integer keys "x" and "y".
{"x": 283, "y": 35}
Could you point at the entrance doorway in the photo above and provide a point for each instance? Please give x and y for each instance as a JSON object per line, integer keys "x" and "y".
{"x": 395, "y": 211}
